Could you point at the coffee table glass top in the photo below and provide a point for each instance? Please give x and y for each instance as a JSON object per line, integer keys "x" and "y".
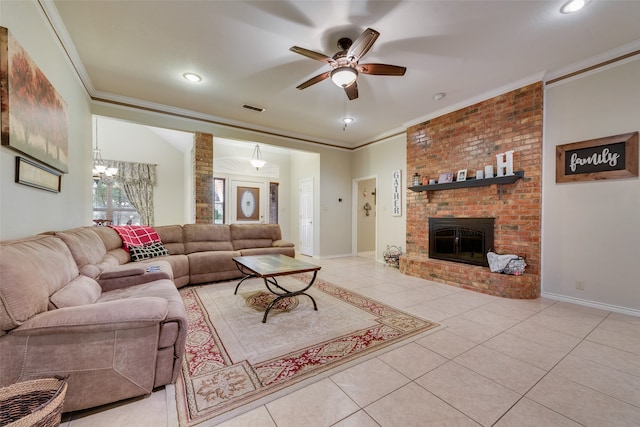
{"x": 274, "y": 265}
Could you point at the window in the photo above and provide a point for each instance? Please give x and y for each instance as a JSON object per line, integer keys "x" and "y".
{"x": 111, "y": 203}
{"x": 218, "y": 200}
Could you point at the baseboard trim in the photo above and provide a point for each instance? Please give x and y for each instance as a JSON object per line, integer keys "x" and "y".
{"x": 594, "y": 304}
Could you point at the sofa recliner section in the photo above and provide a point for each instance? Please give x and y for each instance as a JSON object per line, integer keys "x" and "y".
{"x": 56, "y": 321}
{"x": 72, "y": 303}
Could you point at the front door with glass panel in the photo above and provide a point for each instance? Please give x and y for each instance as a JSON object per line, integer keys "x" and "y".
{"x": 248, "y": 202}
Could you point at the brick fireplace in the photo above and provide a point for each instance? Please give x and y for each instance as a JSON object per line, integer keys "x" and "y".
{"x": 470, "y": 139}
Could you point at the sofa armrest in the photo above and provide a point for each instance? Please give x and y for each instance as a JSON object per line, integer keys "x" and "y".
{"x": 108, "y": 316}
{"x": 116, "y": 273}
{"x": 126, "y": 275}
{"x": 281, "y": 244}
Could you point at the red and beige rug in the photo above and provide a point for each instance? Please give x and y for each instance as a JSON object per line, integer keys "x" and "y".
{"x": 234, "y": 362}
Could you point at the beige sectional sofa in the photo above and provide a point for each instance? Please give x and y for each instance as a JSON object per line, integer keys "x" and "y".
{"x": 72, "y": 303}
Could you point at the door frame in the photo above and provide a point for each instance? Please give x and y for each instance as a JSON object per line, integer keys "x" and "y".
{"x": 354, "y": 214}
{"x": 311, "y": 210}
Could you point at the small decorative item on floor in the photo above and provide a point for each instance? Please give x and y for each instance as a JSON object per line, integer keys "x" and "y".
{"x": 506, "y": 264}
{"x": 392, "y": 255}
{"x": 33, "y": 403}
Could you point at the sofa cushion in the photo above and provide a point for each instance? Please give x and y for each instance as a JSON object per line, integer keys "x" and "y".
{"x": 31, "y": 269}
{"x": 244, "y": 236}
{"x": 87, "y": 249}
{"x": 80, "y": 291}
{"x": 140, "y": 253}
{"x": 206, "y": 237}
{"x": 109, "y": 237}
{"x": 172, "y": 238}
{"x": 113, "y": 243}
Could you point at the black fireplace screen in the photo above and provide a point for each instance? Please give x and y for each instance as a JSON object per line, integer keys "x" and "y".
{"x": 465, "y": 240}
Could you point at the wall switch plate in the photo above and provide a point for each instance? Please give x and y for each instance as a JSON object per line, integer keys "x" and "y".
{"x": 580, "y": 285}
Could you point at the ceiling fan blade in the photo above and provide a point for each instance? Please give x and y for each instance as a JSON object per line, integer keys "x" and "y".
{"x": 352, "y": 91}
{"x": 314, "y": 80}
{"x": 381, "y": 69}
{"x": 362, "y": 44}
{"x": 313, "y": 55}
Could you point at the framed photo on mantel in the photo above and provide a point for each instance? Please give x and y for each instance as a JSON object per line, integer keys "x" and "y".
{"x": 445, "y": 177}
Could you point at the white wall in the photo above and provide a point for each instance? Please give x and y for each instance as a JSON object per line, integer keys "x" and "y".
{"x": 25, "y": 210}
{"x": 335, "y": 216}
{"x": 591, "y": 230}
{"x": 130, "y": 142}
{"x": 381, "y": 159}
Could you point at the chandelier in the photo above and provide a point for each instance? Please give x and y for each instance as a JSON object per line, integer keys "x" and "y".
{"x": 256, "y": 158}
{"x": 100, "y": 170}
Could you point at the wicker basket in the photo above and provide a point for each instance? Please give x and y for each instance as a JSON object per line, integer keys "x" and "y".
{"x": 33, "y": 403}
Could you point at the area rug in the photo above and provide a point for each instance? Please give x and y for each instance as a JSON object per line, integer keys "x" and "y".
{"x": 234, "y": 362}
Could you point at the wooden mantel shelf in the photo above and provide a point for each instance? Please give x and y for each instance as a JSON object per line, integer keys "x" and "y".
{"x": 470, "y": 183}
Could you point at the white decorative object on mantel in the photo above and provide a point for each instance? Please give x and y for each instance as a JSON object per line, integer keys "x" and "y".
{"x": 488, "y": 171}
{"x": 396, "y": 185}
{"x": 505, "y": 163}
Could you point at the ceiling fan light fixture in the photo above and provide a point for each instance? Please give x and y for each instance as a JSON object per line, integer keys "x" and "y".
{"x": 347, "y": 120}
{"x": 344, "y": 76}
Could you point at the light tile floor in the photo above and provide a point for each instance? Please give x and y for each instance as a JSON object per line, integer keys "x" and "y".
{"x": 497, "y": 362}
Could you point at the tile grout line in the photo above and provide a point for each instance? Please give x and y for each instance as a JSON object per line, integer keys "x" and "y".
{"x": 524, "y": 395}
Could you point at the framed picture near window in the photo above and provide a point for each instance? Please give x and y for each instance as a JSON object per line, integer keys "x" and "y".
{"x": 36, "y": 175}
{"x": 248, "y": 204}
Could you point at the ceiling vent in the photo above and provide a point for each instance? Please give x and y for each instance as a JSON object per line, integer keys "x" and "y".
{"x": 251, "y": 107}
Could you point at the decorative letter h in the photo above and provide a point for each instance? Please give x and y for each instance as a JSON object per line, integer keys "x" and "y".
{"x": 505, "y": 163}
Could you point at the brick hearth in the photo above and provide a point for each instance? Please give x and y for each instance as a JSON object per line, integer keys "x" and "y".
{"x": 470, "y": 138}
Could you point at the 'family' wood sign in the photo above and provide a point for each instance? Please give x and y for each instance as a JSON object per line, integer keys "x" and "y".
{"x": 612, "y": 157}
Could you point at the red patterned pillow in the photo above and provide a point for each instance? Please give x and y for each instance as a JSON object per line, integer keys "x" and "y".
{"x": 136, "y": 235}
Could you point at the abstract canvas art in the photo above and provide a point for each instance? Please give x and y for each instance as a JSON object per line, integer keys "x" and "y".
{"x": 33, "y": 114}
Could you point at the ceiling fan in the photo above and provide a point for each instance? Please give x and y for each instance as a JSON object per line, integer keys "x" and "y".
{"x": 344, "y": 64}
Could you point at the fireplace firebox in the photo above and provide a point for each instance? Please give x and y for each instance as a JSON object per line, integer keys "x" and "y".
{"x": 465, "y": 240}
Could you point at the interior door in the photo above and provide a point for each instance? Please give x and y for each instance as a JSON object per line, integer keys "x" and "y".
{"x": 248, "y": 202}
{"x": 306, "y": 217}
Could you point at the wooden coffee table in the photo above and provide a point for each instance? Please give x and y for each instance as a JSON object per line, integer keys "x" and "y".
{"x": 268, "y": 267}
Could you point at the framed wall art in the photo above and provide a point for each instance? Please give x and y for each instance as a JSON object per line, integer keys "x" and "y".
{"x": 35, "y": 175}
{"x": 33, "y": 115}
{"x": 396, "y": 197}
{"x": 612, "y": 157}
{"x": 462, "y": 175}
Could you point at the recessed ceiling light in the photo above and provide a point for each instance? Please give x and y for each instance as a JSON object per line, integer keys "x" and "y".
{"x": 438, "y": 96}
{"x": 573, "y": 6}
{"x": 192, "y": 77}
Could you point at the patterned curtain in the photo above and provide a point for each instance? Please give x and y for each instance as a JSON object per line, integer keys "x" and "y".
{"x": 137, "y": 180}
